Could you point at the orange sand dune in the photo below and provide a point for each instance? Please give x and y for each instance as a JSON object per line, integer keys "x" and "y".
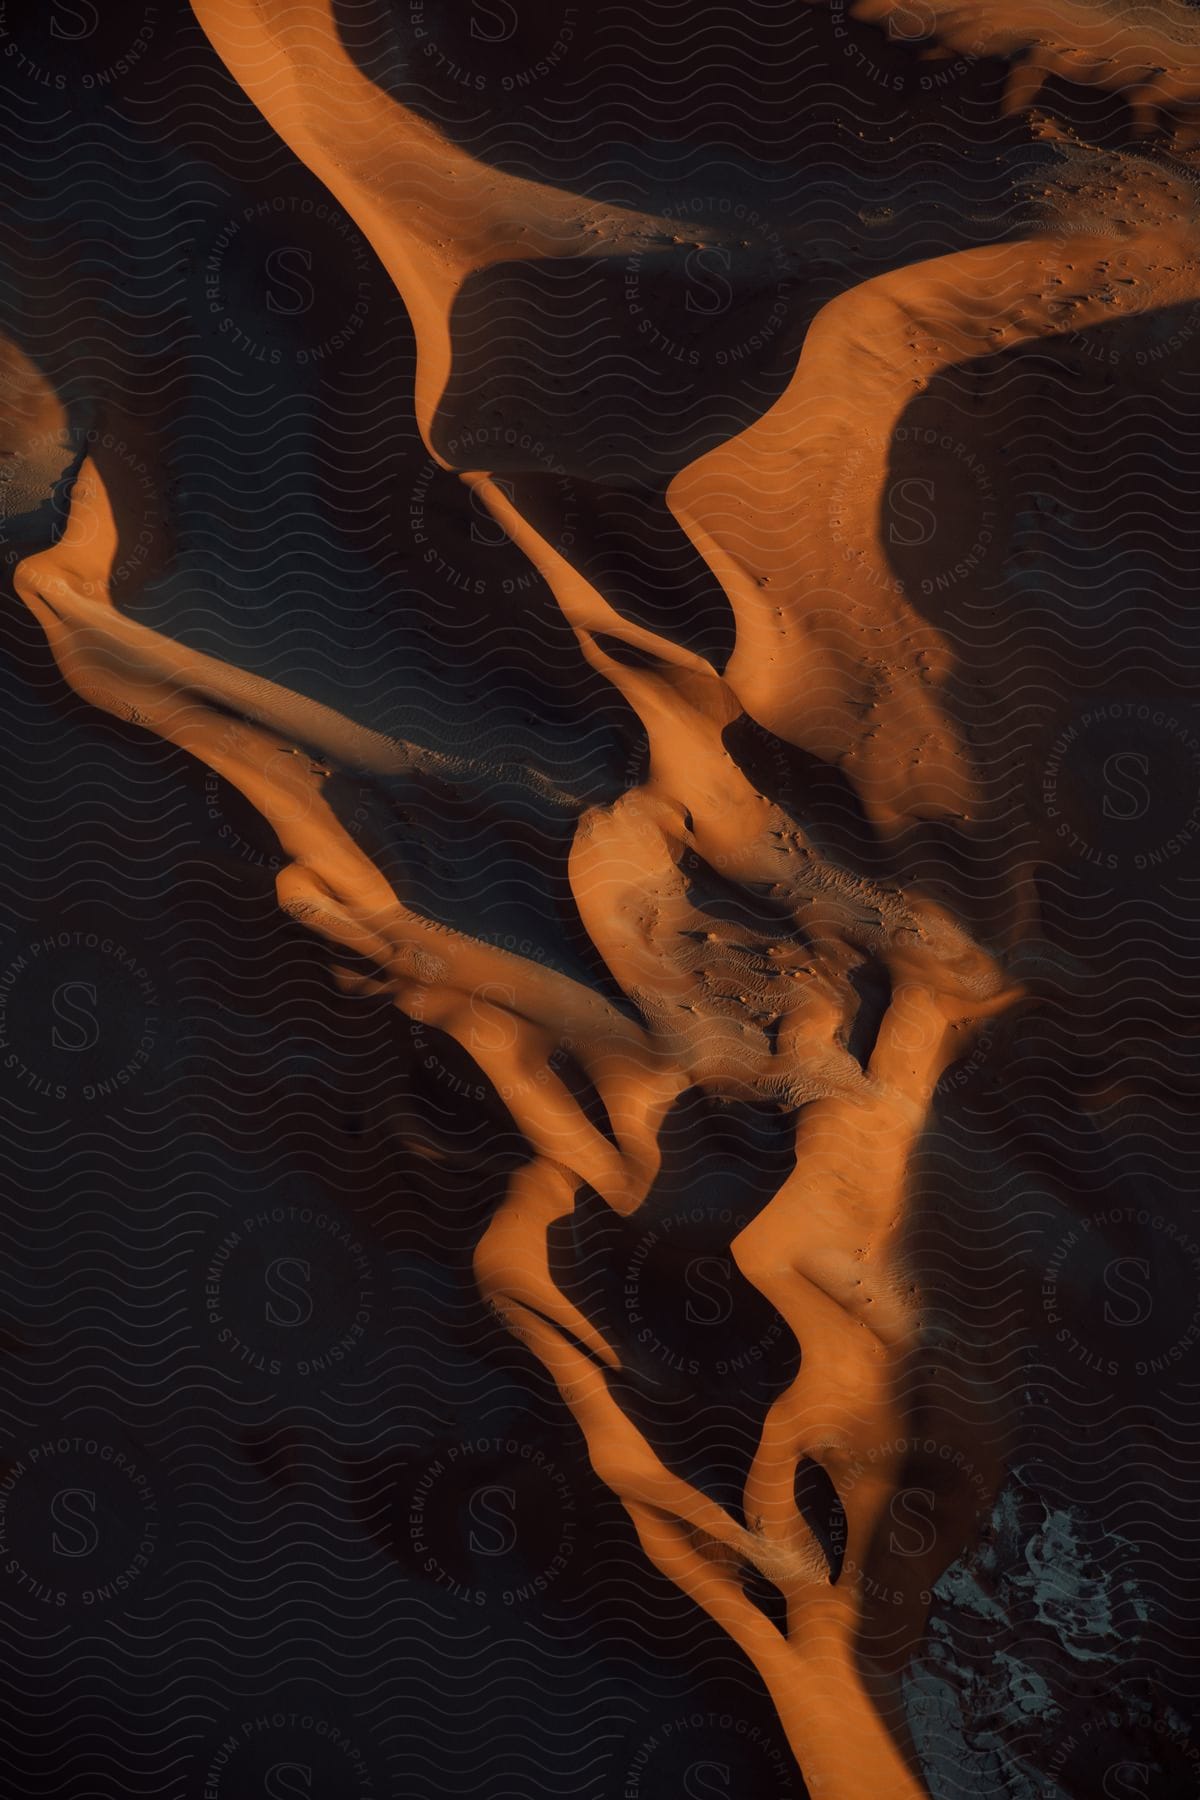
{"x": 836, "y": 658}
{"x": 1147, "y": 52}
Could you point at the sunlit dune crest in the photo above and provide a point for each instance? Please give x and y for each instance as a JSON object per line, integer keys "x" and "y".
{"x": 753, "y": 963}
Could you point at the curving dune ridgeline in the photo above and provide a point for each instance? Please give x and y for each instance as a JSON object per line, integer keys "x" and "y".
{"x": 906, "y": 831}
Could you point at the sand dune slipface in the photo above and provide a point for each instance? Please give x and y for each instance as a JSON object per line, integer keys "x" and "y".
{"x": 777, "y": 803}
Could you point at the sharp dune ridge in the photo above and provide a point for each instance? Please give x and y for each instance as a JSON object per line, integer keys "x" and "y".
{"x": 755, "y": 863}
